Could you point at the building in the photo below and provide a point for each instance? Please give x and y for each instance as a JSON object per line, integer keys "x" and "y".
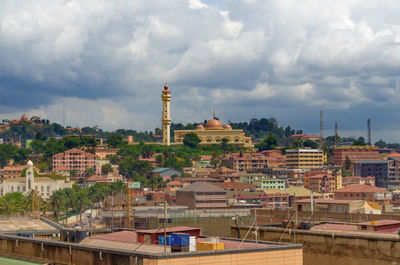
{"x": 355, "y": 154}
{"x": 263, "y": 181}
{"x": 254, "y": 162}
{"x": 165, "y": 173}
{"x": 364, "y": 192}
{"x": 381, "y": 226}
{"x": 275, "y": 199}
{"x": 305, "y": 158}
{"x": 213, "y": 133}
{"x": 385, "y": 172}
{"x": 74, "y": 159}
{"x": 329, "y": 206}
{"x": 165, "y": 116}
{"x": 237, "y": 186}
{"x": 173, "y": 186}
{"x": 202, "y": 195}
{"x": 12, "y": 172}
{"x": 322, "y": 183}
{"x": 43, "y": 186}
{"x": 337, "y": 174}
{"x": 304, "y": 137}
{"x": 300, "y": 193}
{"x": 103, "y": 151}
{"x": 357, "y": 180}
{"x": 226, "y": 174}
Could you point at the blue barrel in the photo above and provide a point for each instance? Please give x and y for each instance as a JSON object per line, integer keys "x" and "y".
{"x": 168, "y": 240}
{"x": 161, "y": 240}
{"x": 180, "y": 239}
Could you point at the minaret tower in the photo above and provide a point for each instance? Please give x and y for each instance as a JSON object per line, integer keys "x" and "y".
{"x": 165, "y": 117}
{"x": 30, "y": 177}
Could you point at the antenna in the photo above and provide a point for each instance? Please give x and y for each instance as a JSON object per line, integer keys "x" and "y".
{"x": 214, "y": 113}
{"x": 336, "y": 134}
{"x": 369, "y": 131}
{"x": 63, "y": 102}
{"x": 321, "y": 126}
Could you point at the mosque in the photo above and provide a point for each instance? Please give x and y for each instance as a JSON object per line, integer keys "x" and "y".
{"x": 212, "y": 133}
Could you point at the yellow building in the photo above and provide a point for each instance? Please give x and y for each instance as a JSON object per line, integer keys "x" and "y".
{"x": 305, "y": 158}
{"x": 213, "y": 133}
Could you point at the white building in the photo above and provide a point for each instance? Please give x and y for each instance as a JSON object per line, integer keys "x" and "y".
{"x": 44, "y": 186}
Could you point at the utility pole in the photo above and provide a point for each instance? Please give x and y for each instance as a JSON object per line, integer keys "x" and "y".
{"x": 165, "y": 226}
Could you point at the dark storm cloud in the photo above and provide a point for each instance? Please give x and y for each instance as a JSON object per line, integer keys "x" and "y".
{"x": 286, "y": 59}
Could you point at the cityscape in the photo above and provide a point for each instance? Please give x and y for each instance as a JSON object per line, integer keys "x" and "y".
{"x": 199, "y": 132}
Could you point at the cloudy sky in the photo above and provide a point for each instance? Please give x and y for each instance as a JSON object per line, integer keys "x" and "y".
{"x": 247, "y": 58}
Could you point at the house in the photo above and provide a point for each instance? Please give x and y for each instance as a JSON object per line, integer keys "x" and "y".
{"x": 330, "y": 206}
{"x": 300, "y": 193}
{"x": 358, "y": 180}
{"x": 202, "y": 195}
{"x": 173, "y": 186}
{"x": 165, "y": 173}
{"x": 226, "y": 174}
{"x": 364, "y": 192}
{"x": 74, "y": 159}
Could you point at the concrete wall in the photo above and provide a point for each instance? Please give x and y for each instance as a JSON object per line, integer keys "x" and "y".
{"x": 335, "y": 248}
{"x": 268, "y": 216}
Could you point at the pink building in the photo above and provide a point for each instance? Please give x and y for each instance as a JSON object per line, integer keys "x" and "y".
{"x": 74, "y": 159}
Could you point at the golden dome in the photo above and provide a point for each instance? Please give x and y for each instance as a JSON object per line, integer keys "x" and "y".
{"x": 199, "y": 127}
{"x": 214, "y": 125}
{"x": 227, "y": 127}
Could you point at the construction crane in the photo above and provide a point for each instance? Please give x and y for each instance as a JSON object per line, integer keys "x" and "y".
{"x": 369, "y": 131}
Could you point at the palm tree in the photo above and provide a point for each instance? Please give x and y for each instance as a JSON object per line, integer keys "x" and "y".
{"x": 68, "y": 196}
{"x": 81, "y": 202}
{"x": 56, "y": 201}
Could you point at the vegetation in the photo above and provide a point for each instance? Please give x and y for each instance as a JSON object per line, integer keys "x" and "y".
{"x": 191, "y": 140}
{"x": 269, "y": 143}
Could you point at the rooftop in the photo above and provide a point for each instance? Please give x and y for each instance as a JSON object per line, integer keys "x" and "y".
{"x": 327, "y": 201}
{"x": 202, "y": 187}
{"x": 374, "y": 161}
{"x": 361, "y": 188}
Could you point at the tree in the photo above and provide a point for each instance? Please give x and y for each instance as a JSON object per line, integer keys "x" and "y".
{"x": 114, "y": 140}
{"x": 191, "y": 140}
{"x": 81, "y": 202}
{"x": 56, "y": 201}
{"x": 13, "y": 202}
{"x": 113, "y": 159}
{"x": 311, "y": 144}
{"x": 380, "y": 143}
{"x": 347, "y": 163}
{"x": 131, "y": 168}
{"x": 68, "y": 196}
{"x": 224, "y": 144}
{"x": 89, "y": 171}
{"x": 117, "y": 187}
{"x": 269, "y": 143}
{"x": 105, "y": 169}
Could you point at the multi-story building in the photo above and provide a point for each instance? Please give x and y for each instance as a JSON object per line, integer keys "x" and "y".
{"x": 322, "y": 183}
{"x": 226, "y": 174}
{"x": 202, "y": 195}
{"x": 330, "y": 206}
{"x": 357, "y": 180}
{"x": 254, "y": 162}
{"x": 355, "y": 154}
{"x": 74, "y": 159}
{"x": 385, "y": 172}
{"x": 364, "y": 192}
{"x": 43, "y": 186}
{"x": 336, "y": 174}
{"x": 12, "y": 172}
{"x": 263, "y": 181}
{"x": 305, "y": 158}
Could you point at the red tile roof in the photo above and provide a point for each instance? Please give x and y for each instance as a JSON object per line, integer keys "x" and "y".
{"x": 174, "y": 182}
{"x": 361, "y": 188}
{"x": 380, "y": 222}
{"x": 122, "y": 236}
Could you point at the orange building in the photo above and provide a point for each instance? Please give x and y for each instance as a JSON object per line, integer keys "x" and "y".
{"x": 355, "y": 154}
{"x": 226, "y": 174}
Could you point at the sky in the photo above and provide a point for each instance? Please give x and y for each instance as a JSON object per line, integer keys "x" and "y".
{"x": 245, "y": 58}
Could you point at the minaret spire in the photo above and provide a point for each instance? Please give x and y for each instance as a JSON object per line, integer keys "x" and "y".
{"x": 165, "y": 117}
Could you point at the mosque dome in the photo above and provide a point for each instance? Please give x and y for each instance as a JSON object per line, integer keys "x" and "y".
{"x": 214, "y": 125}
{"x": 227, "y": 127}
{"x": 199, "y": 127}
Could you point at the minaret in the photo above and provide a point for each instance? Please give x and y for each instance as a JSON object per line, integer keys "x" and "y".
{"x": 30, "y": 177}
{"x": 165, "y": 117}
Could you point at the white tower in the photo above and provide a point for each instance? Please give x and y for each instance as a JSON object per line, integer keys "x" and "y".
{"x": 165, "y": 117}
{"x": 30, "y": 177}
